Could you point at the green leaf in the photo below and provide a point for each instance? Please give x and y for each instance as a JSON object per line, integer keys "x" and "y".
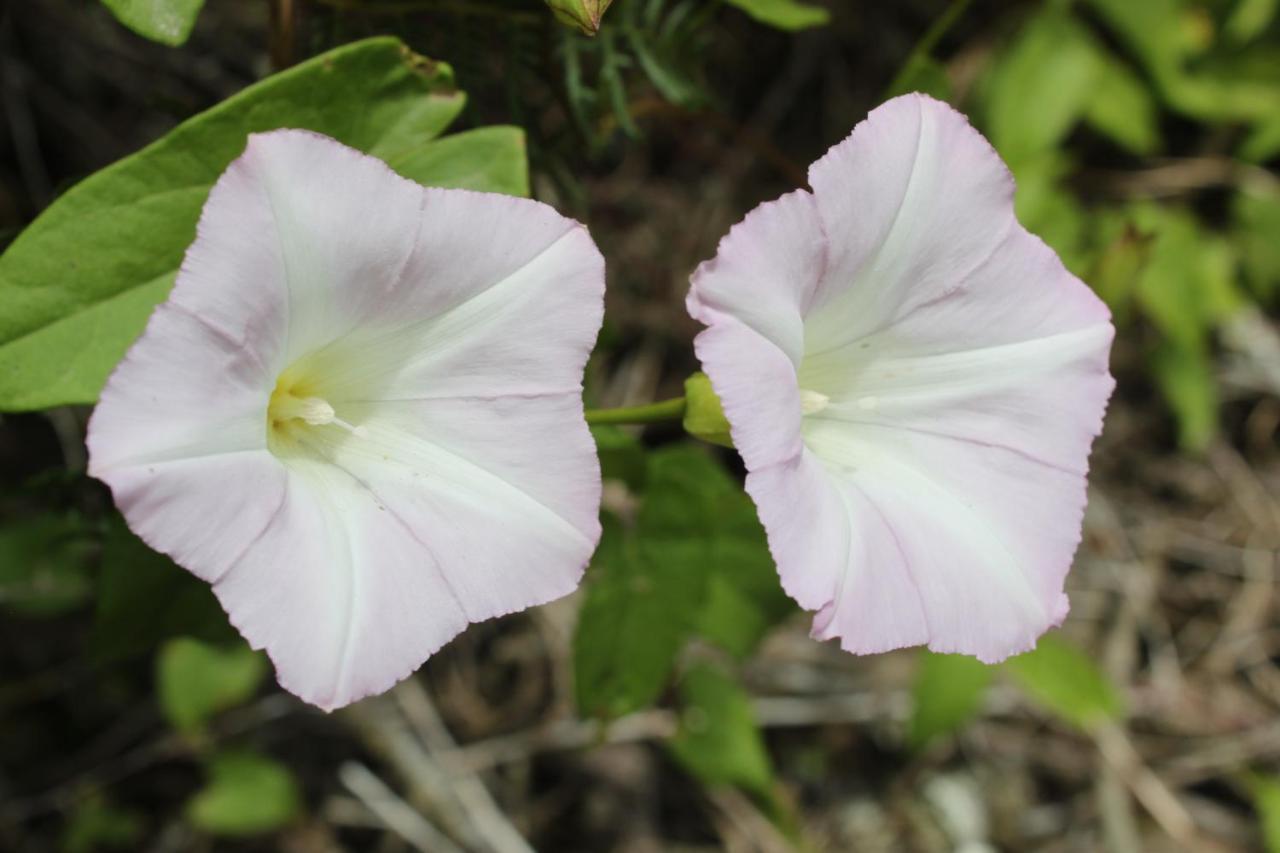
{"x": 1262, "y": 143}
{"x": 744, "y": 598}
{"x": 947, "y": 694}
{"x": 1184, "y": 374}
{"x": 1189, "y": 284}
{"x": 696, "y": 561}
{"x": 247, "y": 794}
{"x": 1050, "y": 211}
{"x": 95, "y": 825}
{"x": 786, "y": 15}
{"x": 718, "y": 740}
{"x": 1250, "y": 18}
{"x": 79, "y": 283}
{"x": 1266, "y": 800}
{"x": 634, "y": 620}
{"x": 1119, "y": 266}
{"x": 195, "y": 681}
{"x": 1067, "y": 683}
{"x": 166, "y": 21}
{"x": 44, "y": 565}
{"x": 487, "y": 159}
{"x": 621, "y": 455}
{"x": 144, "y": 598}
{"x": 1256, "y": 220}
{"x": 1187, "y": 287}
{"x": 1122, "y": 108}
{"x": 1170, "y": 38}
{"x": 1042, "y": 85}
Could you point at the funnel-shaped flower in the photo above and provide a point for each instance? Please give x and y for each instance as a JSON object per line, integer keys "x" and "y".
{"x": 913, "y": 381}
{"x": 359, "y": 413}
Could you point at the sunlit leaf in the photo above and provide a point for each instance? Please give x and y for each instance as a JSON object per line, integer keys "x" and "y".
{"x": 1184, "y": 374}
{"x": 166, "y": 21}
{"x": 1263, "y": 142}
{"x": 696, "y": 562}
{"x": 1189, "y": 283}
{"x": 1122, "y": 108}
{"x": 784, "y": 14}
{"x": 247, "y": 794}
{"x": 487, "y": 159}
{"x": 1066, "y": 682}
{"x": 195, "y": 680}
{"x": 1250, "y": 18}
{"x": 948, "y": 693}
{"x": 1118, "y": 268}
{"x": 1169, "y": 38}
{"x": 636, "y": 616}
{"x": 1266, "y": 800}
{"x": 1256, "y": 214}
{"x": 1050, "y": 211}
{"x": 718, "y": 740}
{"x": 1041, "y": 86}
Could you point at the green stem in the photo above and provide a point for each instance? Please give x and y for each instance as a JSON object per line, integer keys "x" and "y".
{"x": 663, "y": 410}
{"x": 930, "y": 40}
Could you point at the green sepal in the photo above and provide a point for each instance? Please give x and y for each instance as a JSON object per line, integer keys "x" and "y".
{"x": 703, "y": 415}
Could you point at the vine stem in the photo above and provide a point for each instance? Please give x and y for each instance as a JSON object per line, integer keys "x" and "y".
{"x": 663, "y": 410}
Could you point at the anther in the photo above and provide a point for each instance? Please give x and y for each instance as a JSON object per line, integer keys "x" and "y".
{"x": 812, "y": 402}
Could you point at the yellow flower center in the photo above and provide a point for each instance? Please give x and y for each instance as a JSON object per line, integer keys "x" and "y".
{"x": 294, "y": 406}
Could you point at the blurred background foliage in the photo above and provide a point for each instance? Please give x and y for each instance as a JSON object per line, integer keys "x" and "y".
{"x": 676, "y": 702}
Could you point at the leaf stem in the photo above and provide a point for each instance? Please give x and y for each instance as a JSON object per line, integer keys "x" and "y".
{"x": 663, "y": 410}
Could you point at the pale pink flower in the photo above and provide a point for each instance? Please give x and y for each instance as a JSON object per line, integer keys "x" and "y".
{"x": 359, "y": 414}
{"x": 913, "y": 381}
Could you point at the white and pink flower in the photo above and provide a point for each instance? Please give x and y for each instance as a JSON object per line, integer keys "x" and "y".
{"x": 359, "y": 414}
{"x": 914, "y": 382}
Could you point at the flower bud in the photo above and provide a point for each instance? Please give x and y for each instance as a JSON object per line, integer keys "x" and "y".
{"x": 583, "y": 15}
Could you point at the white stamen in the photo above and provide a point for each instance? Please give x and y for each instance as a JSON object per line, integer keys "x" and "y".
{"x": 357, "y": 431}
{"x": 318, "y": 412}
{"x": 315, "y": 411}
{"x": 812, "y": 402}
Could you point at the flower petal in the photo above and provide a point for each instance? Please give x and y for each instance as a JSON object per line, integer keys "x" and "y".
{"x": 389, "y": 543}
{"x": 765, "y": 272}
{"x": 960, "y": 374}
{"x": 912, "y": 201}
{"x": 519, "y": 319}
{"x": 331, "y": 228}
{"x": 752, "y": 296}
{"x": 344, "y": 596}
{"x": 186, "y": 407}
